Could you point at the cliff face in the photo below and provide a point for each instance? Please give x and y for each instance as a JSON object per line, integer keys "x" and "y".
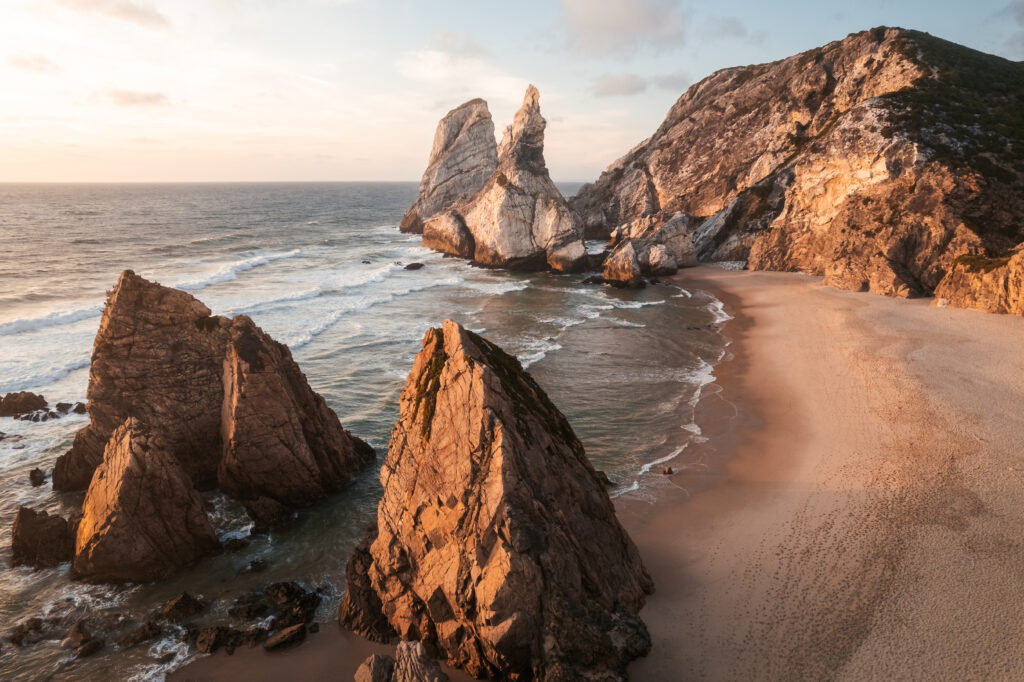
{"x": 518, "y": 218}
{"x": 496, "y": 542}
{"x": 463, "y": 156}
{"x": 875, "y": 161}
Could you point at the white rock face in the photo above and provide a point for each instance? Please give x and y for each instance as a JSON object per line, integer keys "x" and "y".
{"x": 658, "y": 261}
{"x": 463, "y": 157}
{"x": 518, "y": 219}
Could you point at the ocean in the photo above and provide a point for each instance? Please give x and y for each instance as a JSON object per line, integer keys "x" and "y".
{"x": 320, "y": 267}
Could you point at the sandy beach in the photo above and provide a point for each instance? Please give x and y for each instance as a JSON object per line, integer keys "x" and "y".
{"x": 868, "y": 523}
{"x": 862, "y": 515}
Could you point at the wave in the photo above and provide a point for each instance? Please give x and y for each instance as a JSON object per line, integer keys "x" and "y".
{"x": 363, "y": 304}
{"x": 53, "y": 319}
{"x": 231, "y": 271}
{"x": 537, "y": 351}
{"x": 49, "y": 377}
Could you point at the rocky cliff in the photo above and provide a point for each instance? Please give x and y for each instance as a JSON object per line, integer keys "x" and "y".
{"x": 876, "y": 161}
{"x": 464, "y": 155}
{"x": 518, "y": 218}
{"x": 497, "y": 544}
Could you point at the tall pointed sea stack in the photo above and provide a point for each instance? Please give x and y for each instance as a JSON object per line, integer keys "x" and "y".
{"x": 497, "y": 544}
{"x": 463, "y": 156}
{"x": 518, "y": 219}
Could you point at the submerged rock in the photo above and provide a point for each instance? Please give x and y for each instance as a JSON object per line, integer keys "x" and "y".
{"x": 41, "y": 540}
{"x": 518, "y": 218}
{"x": 181, "y": 607}
{"x": 142, "y": 518}
{"x": 14, "y": 404}
{"x": 497, "y": 543}
{"x": 37, "y": 477}
{"x": 463, "y": 156}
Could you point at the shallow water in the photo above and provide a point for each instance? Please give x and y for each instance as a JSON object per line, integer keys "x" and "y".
{"x": 626, "y": 367}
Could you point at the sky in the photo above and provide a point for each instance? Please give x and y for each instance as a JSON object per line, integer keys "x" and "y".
{"x": 301, "y": 90}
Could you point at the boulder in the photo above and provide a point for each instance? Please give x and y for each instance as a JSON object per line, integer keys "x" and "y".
{"x": 37, "y": 477}
{"x": 294, "y": 603}
{"x": 518, "y": 218}
{"x": 146, "y": 632}
{"x": 281, "y": 441}
{"x": 41, "y": 540}
{"x": 995, "y": 285}
{"x": 181, "y": 608}
{"x": 142, "y": 517}
{"x": 289, "y": 636}
{"x": 497, "y": 544}
{"x": 411, "y": 663}
{"x": 658, "y": 261}
{"x": 376, "y": 668}
{"x": 82, "y": 641}
{"x": 14, "y": 404}
{"x": 622, "y": 267}
{"x": 463, "y": 156}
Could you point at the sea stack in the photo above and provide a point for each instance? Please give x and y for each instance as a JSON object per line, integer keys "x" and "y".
{"x": 496, "y": 543}
{"x": 518, "y": 219}
{"x": 142, "y": 518}
{"x": 887, "y": 162}
{"x": 464, "y": 155}
{"x": 181, "y": 400}
{"x": 231, "y": 405}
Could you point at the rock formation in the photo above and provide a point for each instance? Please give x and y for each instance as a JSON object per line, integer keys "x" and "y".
{"x": 142, "y": 518}
{"x": 229, "y": 402}
{"x": 14, "y": 404}
{"x": 158, "y": 356}
{"x": 995, "y": 285}
{"x": 876, "y": 161}
{"x": 410, "y": 664}
{"x": 281, "y": 441}
{"x": 41, "y": 540}
{"x": 463, "y": 156}
{"x": 497, "y": 544}
{"x": 518, "y": 218}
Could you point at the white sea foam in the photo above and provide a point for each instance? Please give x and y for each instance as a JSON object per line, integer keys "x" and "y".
{"x": 53, "y": 319}
{"x": 230, "y": 271}
{"x": 49, "y": 376}
{"x": 535, "y": 351}
{"x": 718, "y": 310}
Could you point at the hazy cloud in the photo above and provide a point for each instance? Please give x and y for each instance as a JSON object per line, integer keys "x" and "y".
{"x": 134, "y": 98}
{"x": 460, "y": 45}
{"x": 1015, "y": 12}
{"x": 731, "y": 27}
{"x": 34, "y": 63}
{"x": 623, "y": 26}
{"x": 619, "y": 85}
{"x": 134, "y": 11}
{"x": 677, "y": 81}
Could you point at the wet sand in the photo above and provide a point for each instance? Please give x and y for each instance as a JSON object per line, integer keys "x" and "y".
{"x": 861, "y": 515}
{"x": 869, "y": 522}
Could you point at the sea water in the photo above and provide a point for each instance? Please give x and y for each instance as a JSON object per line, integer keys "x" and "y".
{"x": 320, "y": 267}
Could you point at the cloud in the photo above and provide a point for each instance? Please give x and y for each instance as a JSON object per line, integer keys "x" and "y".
{"x": 133, "y": 11}
{"x": 456, "y": 44}
{"x": 134, "y": 98}
{"x": 1015, "y": 12}
{"x": 677, "y": 81}
{"x": 623, "y": 26}
{"x": 619, "y": 85}
{"x": 729, "y": 27}
{"x": 34, "y": 63}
